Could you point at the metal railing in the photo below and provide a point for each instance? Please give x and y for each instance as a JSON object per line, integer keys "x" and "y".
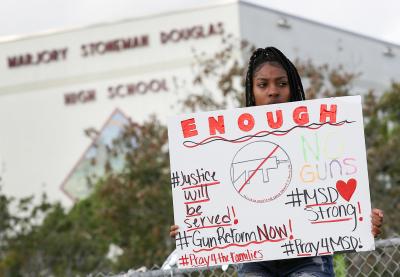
{"x": 384, "y": 261}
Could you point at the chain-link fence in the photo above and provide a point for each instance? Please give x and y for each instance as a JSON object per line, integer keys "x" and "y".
{"x": 384, "y": 261}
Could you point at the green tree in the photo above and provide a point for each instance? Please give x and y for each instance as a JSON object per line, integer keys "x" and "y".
{"x": 131, "y": 209}
{"x": 382, "y": 132}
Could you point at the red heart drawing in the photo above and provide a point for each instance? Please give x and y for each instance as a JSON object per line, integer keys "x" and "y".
{"x": 346, "y": 190}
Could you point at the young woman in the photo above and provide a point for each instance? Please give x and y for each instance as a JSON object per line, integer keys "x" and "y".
{"x": 271, "y": 79}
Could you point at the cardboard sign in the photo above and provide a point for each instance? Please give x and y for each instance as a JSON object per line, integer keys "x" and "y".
{"x": 270, "y": 182}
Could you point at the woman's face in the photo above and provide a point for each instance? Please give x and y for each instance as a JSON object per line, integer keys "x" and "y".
{"x": 271, "y": 85}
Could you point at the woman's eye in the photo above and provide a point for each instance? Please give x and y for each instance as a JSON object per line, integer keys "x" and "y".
{"x": 261, "y": 85}
{"x": 283, "y": 84}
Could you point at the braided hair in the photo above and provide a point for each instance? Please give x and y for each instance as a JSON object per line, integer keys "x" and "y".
{"x": 273, "y": 56}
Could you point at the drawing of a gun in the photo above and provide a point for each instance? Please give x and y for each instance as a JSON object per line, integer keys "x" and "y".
{"x": 243, "y": 169}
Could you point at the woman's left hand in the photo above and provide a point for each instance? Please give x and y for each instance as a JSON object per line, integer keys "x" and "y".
{"x": 377, "y": 221}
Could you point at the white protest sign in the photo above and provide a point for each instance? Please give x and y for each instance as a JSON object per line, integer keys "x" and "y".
{"x": 270, "y": 182}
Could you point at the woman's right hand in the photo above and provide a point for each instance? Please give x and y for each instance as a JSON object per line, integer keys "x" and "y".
{"x": 173, "y": 231}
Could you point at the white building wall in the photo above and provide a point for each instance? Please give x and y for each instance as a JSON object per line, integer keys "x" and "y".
{"x": 43, "y": 135}
{"x": 308, "y": 40}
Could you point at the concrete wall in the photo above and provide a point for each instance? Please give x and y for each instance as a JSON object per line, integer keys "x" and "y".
{"x": 305, "y": 39}
{"x": 53, "y": 87}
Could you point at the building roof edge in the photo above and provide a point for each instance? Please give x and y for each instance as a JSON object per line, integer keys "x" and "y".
{"x": 57, "y": 31}
{"x": 387, "y": 43}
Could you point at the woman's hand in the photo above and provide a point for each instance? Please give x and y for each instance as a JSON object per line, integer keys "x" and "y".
{"x": 173, "y": 231}
{"x": 376, "y": 220}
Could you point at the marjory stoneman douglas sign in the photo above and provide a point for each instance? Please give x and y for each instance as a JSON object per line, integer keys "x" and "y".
{"x": 270, "y": 182}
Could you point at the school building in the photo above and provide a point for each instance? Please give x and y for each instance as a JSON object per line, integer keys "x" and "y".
{"x": 54, "y": 86}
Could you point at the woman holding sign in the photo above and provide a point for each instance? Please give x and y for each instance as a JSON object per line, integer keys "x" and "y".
{"x": 272, "y": 79}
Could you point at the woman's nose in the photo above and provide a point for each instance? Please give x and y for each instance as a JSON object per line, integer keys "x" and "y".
{"x": 273, "y": 91}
